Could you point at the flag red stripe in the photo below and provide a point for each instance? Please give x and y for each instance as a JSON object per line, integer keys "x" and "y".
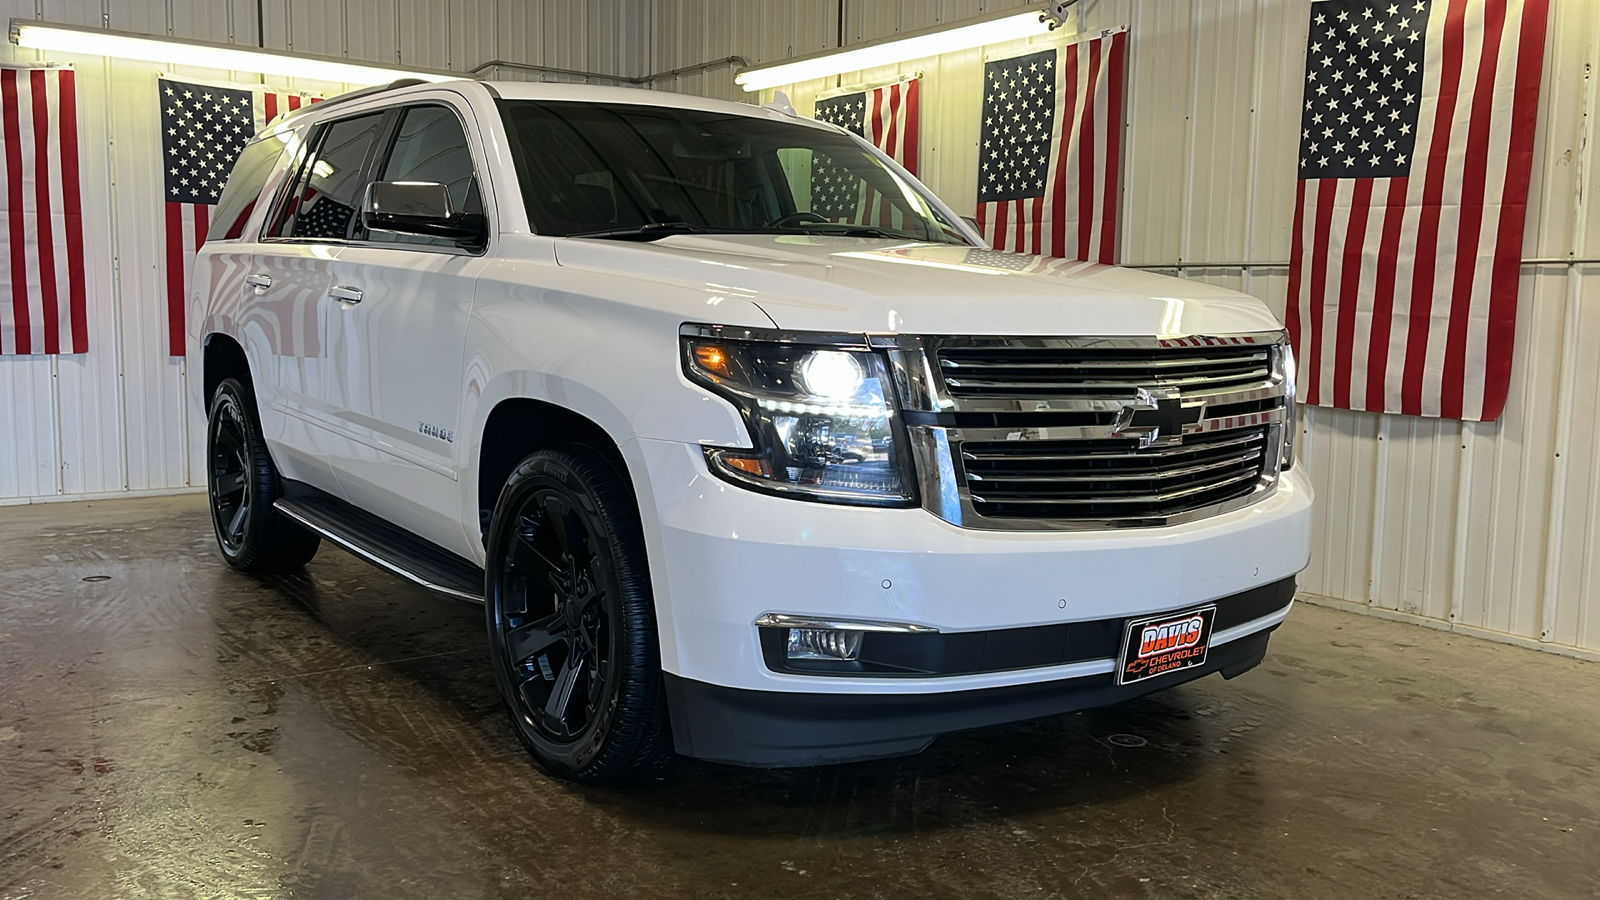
{"x": 49, "y": 300}
{"x": 1113, "y": 175}
{"x": 887, "y": 131}
{"x": 876, "y": 133}
{"x": 1291, "y": 307}
{"x": 72, "y": 211}
{"x": 294, "y": 101}
{"x": 1473, "y": 186}
{"x": 1507, "y": 264}
{"x": 202, "y": 217}
{"x": 1001, "y": 235}
{"x": 1344, "y": 337}
{"x": 1326, "y": 189}
{"x": 1036, "y": 238}
{"x": 175, "y": 278}
{"x": 1428, "y": 226}
{"x": 1064, "y": 133}
{"x": 1086, "y": 173}
{"x": 269, "y": 104}
{"x": 18, "y": 234}
{"x": 909, "y": 151}
{"x": 1383, "y": 295}
{"x": 876, "y": 130}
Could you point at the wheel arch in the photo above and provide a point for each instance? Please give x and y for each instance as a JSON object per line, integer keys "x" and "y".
{"x": 222, "y": 357}
{"x": 517, "y": 426}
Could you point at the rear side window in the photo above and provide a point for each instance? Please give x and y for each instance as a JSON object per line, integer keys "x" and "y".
{"x": 239, "y": 198}
{"x": 323, "y": 201}
{"x": 430, "y": 145}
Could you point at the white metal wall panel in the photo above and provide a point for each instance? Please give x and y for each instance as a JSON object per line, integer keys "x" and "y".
{"x": 1492, "y": 526}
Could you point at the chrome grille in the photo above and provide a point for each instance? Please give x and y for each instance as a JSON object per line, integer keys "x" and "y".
{"x": 1077, "y": 372}
{"x": 1114, "y": 479}
{"x": 1084, "y": 433}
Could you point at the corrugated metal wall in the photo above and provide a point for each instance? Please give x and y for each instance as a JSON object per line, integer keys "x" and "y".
{"x": 1487, "y": 527}
{"x": 115, "y": 419}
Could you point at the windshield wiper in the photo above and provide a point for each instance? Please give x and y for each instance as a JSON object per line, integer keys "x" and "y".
{"x": 653, "y": 231}
{"x": 857, "y": 231}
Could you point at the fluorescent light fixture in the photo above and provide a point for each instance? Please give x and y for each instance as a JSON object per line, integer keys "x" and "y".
{"x": 128, "y": 45}
{"x": 1009, "y": 26}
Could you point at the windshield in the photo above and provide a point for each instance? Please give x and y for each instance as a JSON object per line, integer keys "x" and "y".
{"x": 617, "y": 170}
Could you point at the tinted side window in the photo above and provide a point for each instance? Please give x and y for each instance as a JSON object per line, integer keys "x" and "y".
{"x": 324, "y": 199}
{"x": 238, "y": 201}
{"x": 430, "y": 145}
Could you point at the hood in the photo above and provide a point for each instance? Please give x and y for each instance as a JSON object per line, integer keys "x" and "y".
{"x": 837, "y": 284}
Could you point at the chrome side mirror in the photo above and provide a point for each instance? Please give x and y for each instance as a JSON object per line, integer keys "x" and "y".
{"x": 419, "y": 207}
{"x": 406, "y": 200}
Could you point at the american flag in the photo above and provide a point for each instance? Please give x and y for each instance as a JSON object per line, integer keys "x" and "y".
{"x": 1416, "y": 141}
{"x": 43, "y": 302}
{"x": 1050, "y": 149}
{"x": 887, "y": 117}
{"x": 203, "y": 128}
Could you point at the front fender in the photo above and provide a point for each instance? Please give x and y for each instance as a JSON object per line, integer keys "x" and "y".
{"x": 545, "y": 333}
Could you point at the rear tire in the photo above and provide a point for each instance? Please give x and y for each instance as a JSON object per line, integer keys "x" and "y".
{"x": 571, "y": 619}
{"x": 243, "y": 483}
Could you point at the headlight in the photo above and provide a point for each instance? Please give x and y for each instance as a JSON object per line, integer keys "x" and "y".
{"x": 822, "y": 419}
{"x": 1291, "y": 410}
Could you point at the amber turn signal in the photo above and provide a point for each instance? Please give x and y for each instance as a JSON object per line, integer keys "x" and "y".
{"x": 711, "y": 358}
{"x": 752, "y": 465}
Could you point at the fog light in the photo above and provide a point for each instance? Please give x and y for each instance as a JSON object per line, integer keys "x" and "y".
{"x": 823, "y": 643}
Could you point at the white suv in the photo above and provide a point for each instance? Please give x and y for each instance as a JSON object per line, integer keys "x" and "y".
{"x": 748, "y": 446}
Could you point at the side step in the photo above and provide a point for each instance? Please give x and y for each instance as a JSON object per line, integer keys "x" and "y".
{"x": 382, "y": 544}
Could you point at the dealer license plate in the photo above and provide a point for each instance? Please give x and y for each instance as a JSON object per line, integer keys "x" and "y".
{"x": 1170, "y": 642}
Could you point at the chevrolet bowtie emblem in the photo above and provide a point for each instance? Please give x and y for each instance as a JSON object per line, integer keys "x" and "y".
{"x": 1152, "y": 420}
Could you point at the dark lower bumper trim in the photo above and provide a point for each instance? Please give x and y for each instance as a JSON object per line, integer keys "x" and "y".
{"x": 776, "y": 728}
{"x": 888, "y": 655}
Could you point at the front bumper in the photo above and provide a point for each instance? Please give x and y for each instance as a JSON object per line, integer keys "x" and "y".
{"x": 784, "y": 728}
{"x": 722, "y": 556}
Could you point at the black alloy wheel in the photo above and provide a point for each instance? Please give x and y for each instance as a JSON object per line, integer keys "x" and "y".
{"x": 242, "y": 484}
{"x": 230, "y": 482}
{"x": 571, "y": 619}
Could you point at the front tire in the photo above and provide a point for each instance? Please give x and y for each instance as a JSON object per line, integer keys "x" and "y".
{"x": 571, "y": 619}
{"x": 243, "y": 483}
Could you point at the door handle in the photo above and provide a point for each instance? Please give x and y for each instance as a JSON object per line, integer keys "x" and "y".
{"x": 259, "y": 281}
{"x": 345, "y": 293}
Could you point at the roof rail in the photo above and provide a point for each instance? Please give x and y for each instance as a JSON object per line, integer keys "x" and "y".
{"x": 346, "y": 97}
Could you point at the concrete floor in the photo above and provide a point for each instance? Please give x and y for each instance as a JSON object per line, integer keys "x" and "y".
{"x": 170, "y": 729}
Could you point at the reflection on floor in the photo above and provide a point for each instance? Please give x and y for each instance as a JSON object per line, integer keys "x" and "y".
{"x": 171, "y": 729}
